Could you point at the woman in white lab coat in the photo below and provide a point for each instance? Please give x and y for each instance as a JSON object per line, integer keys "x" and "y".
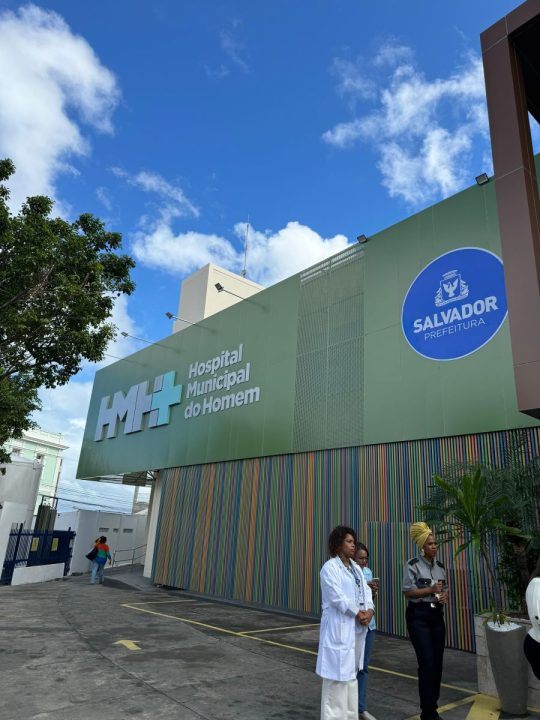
{"x": 347, "y": 609}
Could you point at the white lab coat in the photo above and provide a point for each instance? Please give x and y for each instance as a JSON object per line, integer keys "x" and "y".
{"x": 532, "y": 597}
{"x": 339, "y": 630}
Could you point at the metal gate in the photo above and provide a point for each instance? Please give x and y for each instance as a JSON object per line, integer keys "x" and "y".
{"x": 29, "y": 547}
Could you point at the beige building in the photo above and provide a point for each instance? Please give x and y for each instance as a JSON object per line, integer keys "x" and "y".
{"x": 201, "y": 297}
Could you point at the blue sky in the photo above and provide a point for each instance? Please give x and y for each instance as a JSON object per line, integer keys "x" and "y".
{"x": 175, "y": 121}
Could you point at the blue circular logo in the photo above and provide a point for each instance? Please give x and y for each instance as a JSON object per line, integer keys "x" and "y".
{"x": 455, "y": 305}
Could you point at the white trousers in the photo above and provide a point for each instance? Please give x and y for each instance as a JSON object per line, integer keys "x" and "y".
{"x": 339, "y": 698}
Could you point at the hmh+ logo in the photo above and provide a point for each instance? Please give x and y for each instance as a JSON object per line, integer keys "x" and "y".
{"x": 137, "y": 402}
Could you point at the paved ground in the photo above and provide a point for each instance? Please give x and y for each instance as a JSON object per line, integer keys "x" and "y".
{"x": 71, "y": 651}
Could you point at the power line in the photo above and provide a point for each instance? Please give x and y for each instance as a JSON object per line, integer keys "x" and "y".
{"x": 98, "y": 505}
{"x": 82, "y": 493}
{"x": 126, "y": 502}
{"x": 81, "y": 497}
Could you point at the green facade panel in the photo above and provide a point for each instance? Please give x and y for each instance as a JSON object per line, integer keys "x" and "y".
{"x": 329, "y": 365}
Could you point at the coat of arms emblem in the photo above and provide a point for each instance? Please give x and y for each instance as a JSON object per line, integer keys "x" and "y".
{"x": 452, "y": 288}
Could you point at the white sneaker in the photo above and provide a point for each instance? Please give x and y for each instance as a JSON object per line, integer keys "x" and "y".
{"x": 366, "y": 716}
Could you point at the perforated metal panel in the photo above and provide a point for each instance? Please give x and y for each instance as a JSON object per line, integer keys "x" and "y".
{"x": 329, "y": 364}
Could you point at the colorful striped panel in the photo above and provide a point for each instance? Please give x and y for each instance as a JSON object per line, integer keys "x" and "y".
{"x": 255, "y": 530}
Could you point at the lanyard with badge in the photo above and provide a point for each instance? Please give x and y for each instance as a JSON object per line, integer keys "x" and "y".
{"x": 360, "y": 593}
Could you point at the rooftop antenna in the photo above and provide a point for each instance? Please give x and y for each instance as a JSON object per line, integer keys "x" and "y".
{"x": 243, "y": 273}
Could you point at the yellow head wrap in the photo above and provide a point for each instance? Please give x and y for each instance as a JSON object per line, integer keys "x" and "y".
{"x": 420, "y": 532}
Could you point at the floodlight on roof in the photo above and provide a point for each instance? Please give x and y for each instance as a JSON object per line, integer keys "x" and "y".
{"x": 175, "y": 317}
{"x": 219, "y": 287}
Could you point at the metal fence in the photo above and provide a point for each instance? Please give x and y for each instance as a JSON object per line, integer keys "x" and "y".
{"x": 27, "y": 548}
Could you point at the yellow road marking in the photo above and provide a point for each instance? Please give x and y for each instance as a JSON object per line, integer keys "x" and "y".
{"x": 185, "y": 620}
{"x": 277, "y": 629}
{"x": 129, "y": 644}
{"x": 219, "y": 629}
{"x": 244, "y": 634}
{"x": 449, "y": 706}
{"x": 484, "y": 708}
{"x": 276, "y": 644}
{"x": 415, "y": 678}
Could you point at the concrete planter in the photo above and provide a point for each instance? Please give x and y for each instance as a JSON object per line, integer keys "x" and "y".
{"x": 510, "y": 668}
{"x": 486, "y": 681}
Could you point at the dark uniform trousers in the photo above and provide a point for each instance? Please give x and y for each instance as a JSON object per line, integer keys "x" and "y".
{"x": 532, "y": 653}
{"x": 425, "y": 624}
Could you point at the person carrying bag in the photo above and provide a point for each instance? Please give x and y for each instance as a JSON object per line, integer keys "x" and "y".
{"x": 102, "y": 554}
{"x": 92, "y": 554}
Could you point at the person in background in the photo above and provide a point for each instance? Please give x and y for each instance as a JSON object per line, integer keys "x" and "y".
{"x": 531, "y": 645}
{"x": 347, "y": 609}
{"x": 362, "y": 558}
{"x": 425, "y": 587}
{"x": 98, "y": 563}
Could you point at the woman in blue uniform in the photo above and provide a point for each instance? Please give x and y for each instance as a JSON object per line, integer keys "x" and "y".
{"x": 362, "y": 559}
{"x": 425, "y": 587}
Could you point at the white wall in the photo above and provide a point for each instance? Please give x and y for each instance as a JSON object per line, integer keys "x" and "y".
{"x": 10, "y": 514}
{"x": 153, "y": 513}
{"x": 20, "y": 485}
{"x": 192, "y": 302}
{"x": 67, "y": 520}
{"x": 37, "y": 573}
{"x": 123, "y": 533}
{"x": 217, "y": 301}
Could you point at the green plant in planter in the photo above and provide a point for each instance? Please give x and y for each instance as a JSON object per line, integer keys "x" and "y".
{"x": 494, "y": 616}
{"x": 519, "y": 479}
{"x": 469, "y": 509}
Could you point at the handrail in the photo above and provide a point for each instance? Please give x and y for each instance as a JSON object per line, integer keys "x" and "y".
{"x": 129, "y": 549}
{"x": 128, "y": 561}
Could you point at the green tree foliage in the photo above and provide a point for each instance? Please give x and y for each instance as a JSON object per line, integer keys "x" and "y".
{"x": 483, "y": 506}
{"x": 58, "y": 285}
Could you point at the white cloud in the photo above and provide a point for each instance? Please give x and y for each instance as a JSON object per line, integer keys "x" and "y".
{"x": 344, "y": 134}
{"x": 104, "y": 198}
{"x": 272, "y": 256}
{"x": 54, "y": 84}
{"x": 121, "y": 346}
{"x": 438, "y": 163}
{"x": 173, "y": 202}
{"x": 217, "y": 73}
{"x": 353, "y": 81}
{"x": 233, "y": 48}
{"x": 64, "y": 411}
{"x": 424, "y": 131}
{"x": 183, "y": 253}
{"x": 391, "y": 53}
